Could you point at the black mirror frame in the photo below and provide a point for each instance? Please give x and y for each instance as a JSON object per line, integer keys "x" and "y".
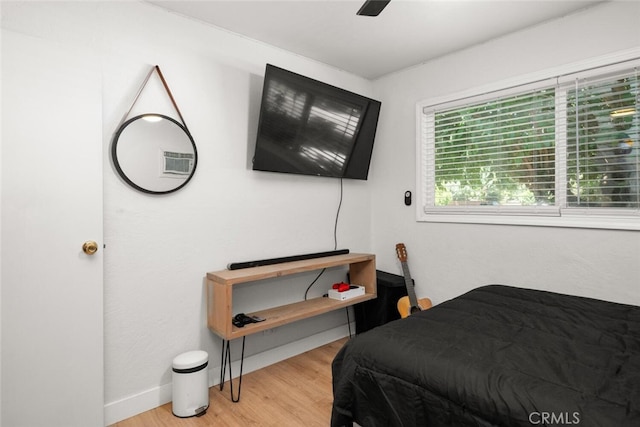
{"x": 114, "y": 155}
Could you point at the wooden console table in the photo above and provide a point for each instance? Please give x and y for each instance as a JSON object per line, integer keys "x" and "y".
{"x": 362, "y": 271}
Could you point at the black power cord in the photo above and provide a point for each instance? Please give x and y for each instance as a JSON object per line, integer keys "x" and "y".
{"x": 335, "y": 226}
{"x": 335, "y": 239}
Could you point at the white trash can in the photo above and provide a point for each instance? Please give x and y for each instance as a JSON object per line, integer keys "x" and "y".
{"x": 190, "y": 384}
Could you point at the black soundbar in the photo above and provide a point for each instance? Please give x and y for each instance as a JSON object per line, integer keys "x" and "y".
{"x": 248, "y": 264}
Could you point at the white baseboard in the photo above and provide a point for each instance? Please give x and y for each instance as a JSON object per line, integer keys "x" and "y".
{"x": 158, "y": 396}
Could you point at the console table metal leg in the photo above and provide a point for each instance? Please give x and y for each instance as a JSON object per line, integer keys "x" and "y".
{"x": 223, "y": 365}
{"x": 226, "y": 360}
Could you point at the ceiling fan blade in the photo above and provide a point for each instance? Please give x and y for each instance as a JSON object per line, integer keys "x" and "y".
{"x": 372, "y": 7}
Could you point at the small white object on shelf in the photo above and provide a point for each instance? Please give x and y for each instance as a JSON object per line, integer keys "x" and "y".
{"x": 354, "y": 291}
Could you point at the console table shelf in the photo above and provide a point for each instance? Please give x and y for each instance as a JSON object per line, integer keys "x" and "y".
{"x": 362, "y": 271}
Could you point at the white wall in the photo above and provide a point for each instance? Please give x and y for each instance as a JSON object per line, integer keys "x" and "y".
{"x": 158, "y": 249}
{"x": 1, "y": 150}
{"x": 449, "y": 259}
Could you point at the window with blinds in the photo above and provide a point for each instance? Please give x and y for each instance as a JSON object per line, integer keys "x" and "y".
{"x": 499, "y": 152}
{"x": 552, "y": 148}
{"x": 602, "y": 142}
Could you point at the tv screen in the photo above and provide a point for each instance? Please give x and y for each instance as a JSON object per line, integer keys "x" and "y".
{"x": 312, "y": 128}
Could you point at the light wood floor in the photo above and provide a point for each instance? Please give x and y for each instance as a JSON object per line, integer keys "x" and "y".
{"x": 294, "y": 392}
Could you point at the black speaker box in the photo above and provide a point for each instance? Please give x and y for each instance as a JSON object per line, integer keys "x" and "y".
{"x": 383, "y": 309}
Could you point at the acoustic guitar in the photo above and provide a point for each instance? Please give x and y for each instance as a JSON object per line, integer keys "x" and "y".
{"x": 409, "y": 304}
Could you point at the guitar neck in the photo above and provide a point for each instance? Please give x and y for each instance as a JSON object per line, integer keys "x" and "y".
{"x": 408, "y": 282}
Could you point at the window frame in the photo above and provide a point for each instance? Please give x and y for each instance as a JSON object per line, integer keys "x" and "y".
{"x": 559, "y": 215}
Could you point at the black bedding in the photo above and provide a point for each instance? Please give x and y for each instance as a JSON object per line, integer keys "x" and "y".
{"x": 495, "y": 356}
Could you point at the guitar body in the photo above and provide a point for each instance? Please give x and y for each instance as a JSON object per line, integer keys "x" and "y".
{"x": 405, "y": 308}
{"x": 409, "y": 304}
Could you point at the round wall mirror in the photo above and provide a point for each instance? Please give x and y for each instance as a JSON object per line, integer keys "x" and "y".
{"x": 154, "y": 153}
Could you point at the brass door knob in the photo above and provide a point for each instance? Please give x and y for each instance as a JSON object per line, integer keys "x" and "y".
{"x": 90, "y": 247}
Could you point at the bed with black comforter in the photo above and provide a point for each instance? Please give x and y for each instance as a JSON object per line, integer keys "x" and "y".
{"x": 495, "y": 356}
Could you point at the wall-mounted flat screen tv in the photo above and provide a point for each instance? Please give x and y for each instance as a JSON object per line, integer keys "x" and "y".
{"x": 312, "y": 128}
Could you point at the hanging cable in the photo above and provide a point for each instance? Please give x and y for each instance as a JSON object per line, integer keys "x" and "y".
{"x": 335, "y": 227}
{"x": 335, "y": 238}
{"x": 314, "y": 281}
{"x": 349, "y": 322}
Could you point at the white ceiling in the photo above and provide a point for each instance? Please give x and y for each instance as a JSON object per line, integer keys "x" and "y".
{"x": 406, "y": 33}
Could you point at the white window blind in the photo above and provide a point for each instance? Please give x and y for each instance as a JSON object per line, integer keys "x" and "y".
{"x": 559, "y": 147}
{"x": 494, "y": 155}
{"x": 602, "y": 142}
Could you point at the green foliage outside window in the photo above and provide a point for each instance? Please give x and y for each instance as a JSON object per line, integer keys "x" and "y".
{"x": 602, "y": 155}
{"x": 503, "y": 152}
{"x": 496, "y": 153}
